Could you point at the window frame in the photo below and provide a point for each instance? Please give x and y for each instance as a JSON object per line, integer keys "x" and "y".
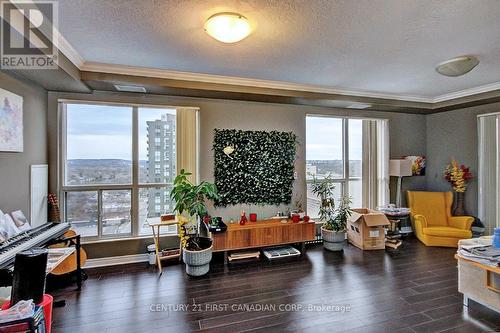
{"x": 345, "y": 179}
{"x": 135, "y": 186}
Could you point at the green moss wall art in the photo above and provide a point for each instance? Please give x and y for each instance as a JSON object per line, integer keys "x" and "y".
{"x": 254, "y": 167}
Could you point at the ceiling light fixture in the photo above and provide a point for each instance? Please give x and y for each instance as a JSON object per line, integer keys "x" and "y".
{"x": 457, "y": 66}
{"x": 228, "y": 27}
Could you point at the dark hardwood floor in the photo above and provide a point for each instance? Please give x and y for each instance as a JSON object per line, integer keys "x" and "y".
{"x": 412, "y": 290}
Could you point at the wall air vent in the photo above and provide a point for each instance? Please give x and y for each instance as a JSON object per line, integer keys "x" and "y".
{"x": 127, "y": 88}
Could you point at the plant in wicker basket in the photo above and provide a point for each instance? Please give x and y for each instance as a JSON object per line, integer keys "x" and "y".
{"x": 191, "y": 199}
{"x": 334, "y": 219}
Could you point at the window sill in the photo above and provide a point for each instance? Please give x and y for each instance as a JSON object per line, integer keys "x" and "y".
{"x": 110, "y": 240}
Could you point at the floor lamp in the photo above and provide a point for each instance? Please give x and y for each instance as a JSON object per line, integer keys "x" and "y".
{"x": 400, "y": 169}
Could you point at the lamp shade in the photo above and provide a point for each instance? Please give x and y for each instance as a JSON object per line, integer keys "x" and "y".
{"x": 400, "y": 168}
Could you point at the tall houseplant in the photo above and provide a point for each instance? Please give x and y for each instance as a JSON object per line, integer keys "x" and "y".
{"x": 334, "y": 219}
{"x": 191, "y": 200}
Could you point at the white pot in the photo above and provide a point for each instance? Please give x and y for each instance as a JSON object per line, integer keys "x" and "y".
{"x": 197, "y": 262}
{"x": 332, "y": 240}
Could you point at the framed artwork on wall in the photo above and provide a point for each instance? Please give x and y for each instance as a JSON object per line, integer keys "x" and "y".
{"x": 417, "y": 165}
{"x": 11, "y": 122}
{"x": 254, "y": 167}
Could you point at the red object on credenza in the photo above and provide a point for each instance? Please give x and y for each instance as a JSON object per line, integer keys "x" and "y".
{"x": 253, "y": 217}
{"x": 295, "y": 218}
{"x": 243, "y": 218}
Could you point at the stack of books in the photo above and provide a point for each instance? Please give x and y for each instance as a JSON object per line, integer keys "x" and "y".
{"x": 393, "y": 241}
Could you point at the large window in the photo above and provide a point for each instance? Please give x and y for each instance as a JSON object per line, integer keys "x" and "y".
{"x": 355, "y": 152}
{"x": 334, "y": 146}
{"x": 118, "y": 165}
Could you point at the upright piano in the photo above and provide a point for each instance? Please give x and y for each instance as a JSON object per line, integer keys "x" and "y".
{"x": 40, "y": 236}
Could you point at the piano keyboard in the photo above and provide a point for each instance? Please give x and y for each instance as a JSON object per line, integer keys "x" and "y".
{"x": 26, "y": 240}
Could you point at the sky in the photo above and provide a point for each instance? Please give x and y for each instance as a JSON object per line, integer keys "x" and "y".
{"x": 105, "y": 132}
{"x": 324, "y": 138}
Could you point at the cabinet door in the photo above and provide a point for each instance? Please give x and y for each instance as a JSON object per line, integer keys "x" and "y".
{"x": 293, "y": 233}
{"x": 237, "y": 239}
{"x": 299, "y": 232}
{"x": 267, "y": 236}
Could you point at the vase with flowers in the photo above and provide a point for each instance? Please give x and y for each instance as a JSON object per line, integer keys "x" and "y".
{"x": 458, "y": 176}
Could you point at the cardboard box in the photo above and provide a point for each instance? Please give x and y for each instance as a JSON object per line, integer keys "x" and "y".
{"x": 366, "y": 229}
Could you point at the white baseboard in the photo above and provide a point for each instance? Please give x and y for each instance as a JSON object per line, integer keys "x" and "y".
{"x": 118, "y": 260}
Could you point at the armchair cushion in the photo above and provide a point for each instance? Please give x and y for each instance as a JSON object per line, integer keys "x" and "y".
{"x": 420, "y": 220}
{"x": 447, "y": 232}
{"x": 461, "y": 222}
{"x": 432, "y": 205}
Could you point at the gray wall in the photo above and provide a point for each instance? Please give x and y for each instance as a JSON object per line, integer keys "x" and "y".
{"x": 15, "y": 167}
{"x": 407, "y": 138}
{"x": 453, "y": 134}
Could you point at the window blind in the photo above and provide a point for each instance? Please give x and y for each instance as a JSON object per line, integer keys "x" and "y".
{"x": 187, "y": 141}
{"x": 488, "y": 168}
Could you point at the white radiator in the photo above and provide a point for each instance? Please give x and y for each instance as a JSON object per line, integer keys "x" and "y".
{"x": 39, "y": 188}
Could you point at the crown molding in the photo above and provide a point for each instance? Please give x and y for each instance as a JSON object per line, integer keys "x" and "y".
{"x": 269, "y": 84}
{"x": 467, "y": 92}
{"x": 70, "y": 52}
{"x": 239, "y": 81}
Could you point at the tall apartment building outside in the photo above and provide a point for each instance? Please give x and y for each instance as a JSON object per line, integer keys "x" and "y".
{"x": 161, "y": 163}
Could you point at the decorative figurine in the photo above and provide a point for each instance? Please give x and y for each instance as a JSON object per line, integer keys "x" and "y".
{"x": 243, "y": 218}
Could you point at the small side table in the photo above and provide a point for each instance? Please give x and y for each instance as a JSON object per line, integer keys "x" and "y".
{"x": 398, "y": 227}
{"x": 402, "y": 220}
{"x": 156, "y": 226}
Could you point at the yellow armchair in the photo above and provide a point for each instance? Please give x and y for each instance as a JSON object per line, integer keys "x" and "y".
{"x": 432, "y": 220}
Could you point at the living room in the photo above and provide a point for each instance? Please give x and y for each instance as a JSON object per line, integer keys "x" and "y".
{"x": 267, "y": 166}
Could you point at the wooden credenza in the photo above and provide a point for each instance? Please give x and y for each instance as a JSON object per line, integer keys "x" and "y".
{"x": 262, "y": 234}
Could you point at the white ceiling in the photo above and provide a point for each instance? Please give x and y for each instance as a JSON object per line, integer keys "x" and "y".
{"x": 387, "y": 46}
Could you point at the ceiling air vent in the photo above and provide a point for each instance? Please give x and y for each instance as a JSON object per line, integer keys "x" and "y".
{"x": 359, "y": 106}
{"x": 136, "y": 89}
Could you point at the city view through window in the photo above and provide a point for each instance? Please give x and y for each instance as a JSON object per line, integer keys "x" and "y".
{"x": 326, "y": 140}
{"x": 99, "y": 184}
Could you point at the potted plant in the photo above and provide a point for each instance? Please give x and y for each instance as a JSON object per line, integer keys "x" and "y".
{"x": 333, "y": 230}
{"x": 191, "y": 200}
